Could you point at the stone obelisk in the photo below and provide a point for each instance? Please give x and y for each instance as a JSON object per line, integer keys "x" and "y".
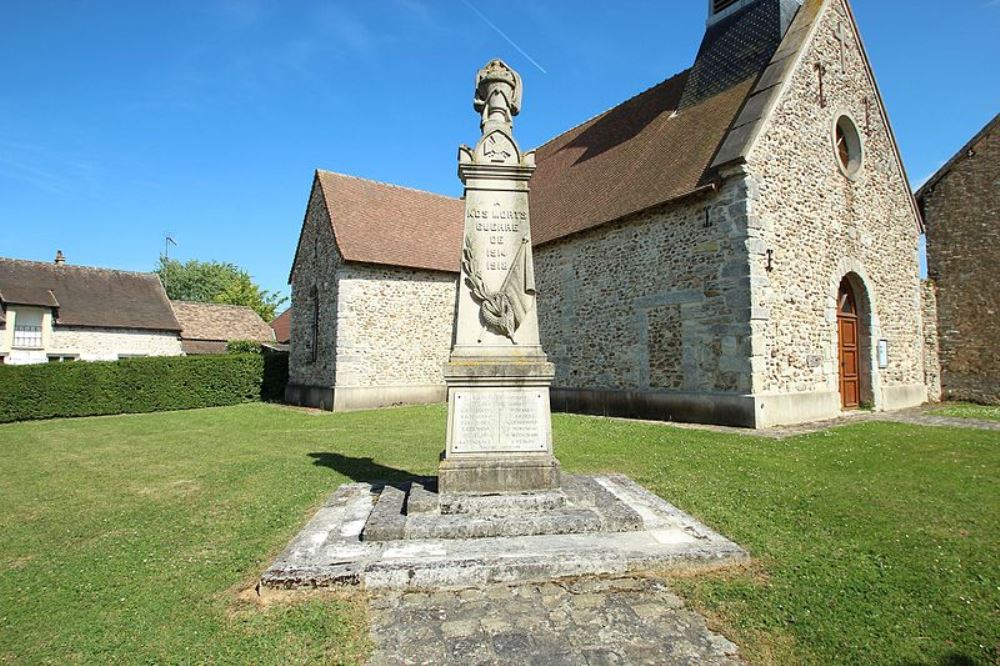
{"x": 498, "y": 377}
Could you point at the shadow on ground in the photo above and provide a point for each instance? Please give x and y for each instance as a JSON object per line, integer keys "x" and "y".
{"x": 363, "y": 469}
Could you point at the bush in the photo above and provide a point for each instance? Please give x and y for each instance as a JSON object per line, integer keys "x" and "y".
{"x": 147, "y": 384}
{"x": 243, "y": 347}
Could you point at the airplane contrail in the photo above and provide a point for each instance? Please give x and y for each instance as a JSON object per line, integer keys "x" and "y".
{"x": 504, "y": 35}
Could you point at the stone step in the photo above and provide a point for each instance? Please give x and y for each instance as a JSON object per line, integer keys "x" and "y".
{"x": 465, "y": 526}
{"x": 386, "y": 521}
{"x": 500, "y": 504}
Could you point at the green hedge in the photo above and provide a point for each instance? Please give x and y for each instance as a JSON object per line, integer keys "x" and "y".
{"x": 132, "y": 385}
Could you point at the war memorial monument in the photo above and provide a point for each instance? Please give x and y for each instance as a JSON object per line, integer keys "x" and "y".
{"x": 500, "y": 509}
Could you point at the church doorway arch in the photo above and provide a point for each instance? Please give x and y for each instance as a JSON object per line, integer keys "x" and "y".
{"x": 854, "y": 343}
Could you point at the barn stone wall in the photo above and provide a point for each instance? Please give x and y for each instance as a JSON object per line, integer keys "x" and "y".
{"x": 650, "y": 316}
{"x": 394, "y": 329}
{"x": 384, "y": 332}
{"x": 312, "y": 374}
{"x": 932, "y": 352}
{"x": 819, "y": 225}
{"x": 962, "y": 214}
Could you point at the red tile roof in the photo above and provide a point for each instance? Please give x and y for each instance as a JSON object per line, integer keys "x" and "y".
{"x": 282, "y": 326}
{"x": 219, "y": 322}
{"x": 381, "y": 223}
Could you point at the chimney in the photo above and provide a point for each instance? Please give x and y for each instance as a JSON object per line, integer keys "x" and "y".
{"x": 60, "y": 258}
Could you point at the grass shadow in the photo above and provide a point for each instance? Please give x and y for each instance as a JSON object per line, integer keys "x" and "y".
{"x": 363, "y": 469}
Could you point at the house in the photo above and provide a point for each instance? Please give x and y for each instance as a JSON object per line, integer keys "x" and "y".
{"x": 207, "y": 327}
{"x": 59, "y": 312}
{"x": 281, "y": 325}
{"x": 737, "y": 244}
{"x": 961, "y": 208}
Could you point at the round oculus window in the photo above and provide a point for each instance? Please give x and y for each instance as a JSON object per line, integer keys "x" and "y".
{"x": 847, "y": 142}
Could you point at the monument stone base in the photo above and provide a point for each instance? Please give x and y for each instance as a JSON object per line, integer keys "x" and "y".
{"x": 490, "y": 475}
{"x": 405, "y": 535}
{"x": 499, "y": 427}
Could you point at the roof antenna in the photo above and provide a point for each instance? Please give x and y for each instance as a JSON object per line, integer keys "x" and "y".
{"x": 168, "y": 240}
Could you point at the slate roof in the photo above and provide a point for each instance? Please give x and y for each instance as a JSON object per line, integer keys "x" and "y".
{"x": 220, "y": 323}
{"x": 662, "y": 145}
{"x": 380, "y": 223}
{"x": 85, "y": 296}
{"x": 282, "y": 326}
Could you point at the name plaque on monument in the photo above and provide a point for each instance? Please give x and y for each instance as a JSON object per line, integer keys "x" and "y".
{"x": 488, "y": 421}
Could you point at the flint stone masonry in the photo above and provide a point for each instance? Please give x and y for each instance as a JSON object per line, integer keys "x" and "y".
{"x": 383, "y": 333}
{"x": 657, "y": 303}
{"x": 962, "y": 214}
{"x": 932, "y": 352}
{"x": 823, "y": 226}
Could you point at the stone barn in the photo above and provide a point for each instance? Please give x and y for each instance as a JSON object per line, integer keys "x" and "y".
{"x": 737, "y": 244}
{"x": 961, "y": 208}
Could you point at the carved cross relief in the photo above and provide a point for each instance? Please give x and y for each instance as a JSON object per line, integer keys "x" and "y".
{"x": 841, "y": 37}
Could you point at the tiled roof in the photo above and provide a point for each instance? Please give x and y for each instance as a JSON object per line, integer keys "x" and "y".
{"x": 201, "y": 347}
{"x": 661, "y": 145}
{"x": 85, "y": 296}
{"x": 282, "y": 326}
{"x": 218, "y": 322}
{"x": 386, "y": 224}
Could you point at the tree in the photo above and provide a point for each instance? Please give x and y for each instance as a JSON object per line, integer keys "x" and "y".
{"x": 216, "y": 282}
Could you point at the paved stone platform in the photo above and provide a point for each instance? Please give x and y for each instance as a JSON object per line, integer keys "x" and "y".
{"x": 330, "y": 549}
{"x": 584, "y": 621}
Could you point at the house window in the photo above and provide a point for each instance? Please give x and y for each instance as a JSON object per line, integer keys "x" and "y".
{"x": 847, "y": 143}
{"x": 61, "y": 358}
{"x": 26, "y": 335}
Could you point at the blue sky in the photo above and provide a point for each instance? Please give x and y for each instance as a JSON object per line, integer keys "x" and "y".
{"x": 120, "y": 121}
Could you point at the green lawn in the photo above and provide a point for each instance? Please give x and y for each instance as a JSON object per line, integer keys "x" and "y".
{"x": 967, "y": 410}
{"x": 130, "y": 539}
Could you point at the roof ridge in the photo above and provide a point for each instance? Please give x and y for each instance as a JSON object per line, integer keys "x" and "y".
{"x": 612, "y": 108}
{"x": 387, "y": 184}
{"x": 76, "y": 266}
{"x": 958, "y": 156}
{"x": 222, "y": 305}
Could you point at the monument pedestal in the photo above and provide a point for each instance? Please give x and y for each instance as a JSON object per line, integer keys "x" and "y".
{"x": 499, "y": 427}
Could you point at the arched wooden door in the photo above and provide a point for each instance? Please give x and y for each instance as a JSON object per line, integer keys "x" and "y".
{"x": 847, "y": 333}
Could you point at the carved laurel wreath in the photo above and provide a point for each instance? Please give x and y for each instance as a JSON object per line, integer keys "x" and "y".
{"x": 495, "y": 306}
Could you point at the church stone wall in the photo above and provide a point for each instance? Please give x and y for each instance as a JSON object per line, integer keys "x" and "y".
{"x": 962, "y": 214}
{"x": 394, "y": 329}
{"x": 819, "y": 224}
{"x": 311, "y": 380}
{"x": 650, "y": 316}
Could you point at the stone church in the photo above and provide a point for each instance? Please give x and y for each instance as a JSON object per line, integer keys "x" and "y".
{"x": 737, "y": 245}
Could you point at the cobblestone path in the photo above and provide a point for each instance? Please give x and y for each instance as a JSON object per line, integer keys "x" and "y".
{"x": 587, "y": 621}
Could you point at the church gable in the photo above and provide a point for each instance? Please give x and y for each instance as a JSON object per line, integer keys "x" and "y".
{"x": 827, "y": 81}
{"x": 833, "y": 203}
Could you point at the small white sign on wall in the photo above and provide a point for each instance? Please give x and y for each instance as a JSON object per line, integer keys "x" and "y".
{"x": 883, "y": 353}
